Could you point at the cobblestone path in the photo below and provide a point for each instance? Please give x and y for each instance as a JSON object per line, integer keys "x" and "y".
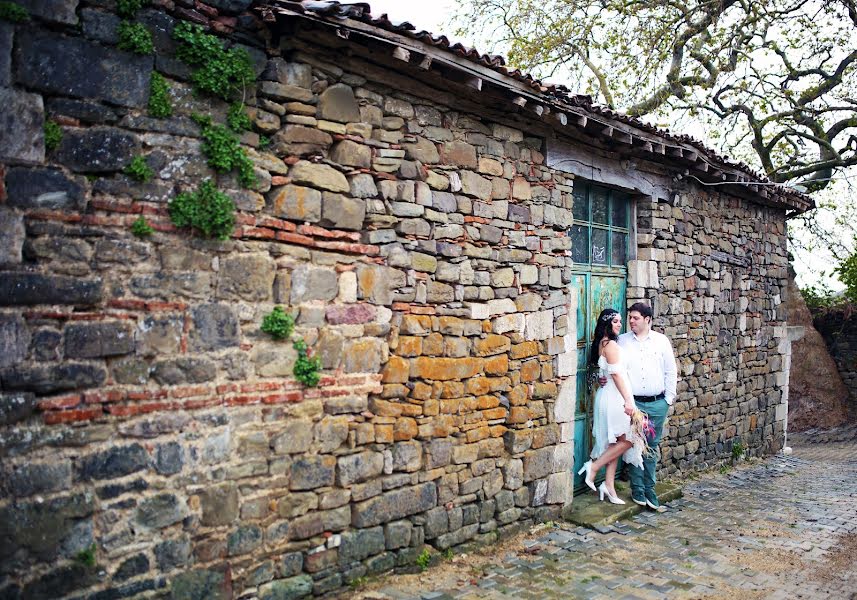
{"x": 783, "y": 528}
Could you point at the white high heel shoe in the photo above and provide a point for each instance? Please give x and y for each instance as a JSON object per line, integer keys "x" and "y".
{"x": 589, "y": 479}
{"x": 603, "y": 491}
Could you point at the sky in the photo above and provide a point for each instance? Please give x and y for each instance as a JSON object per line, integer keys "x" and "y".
{"x": 422, "y": 14}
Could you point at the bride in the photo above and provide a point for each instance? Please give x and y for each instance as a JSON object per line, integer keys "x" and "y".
{"x": 614, "y": 407}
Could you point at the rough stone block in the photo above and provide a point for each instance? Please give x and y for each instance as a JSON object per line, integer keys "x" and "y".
{"x": 219, "y": 504}
{"x": 311, "y": 472}
{"x": 34, "y": 288}
{"x": 287, "y": 589}
{"x": 98, "y": 339}
{"x": 355, "y": 468}
{"x": 362, "y": 543}
{"x": 215, "y": 326}
{"x": 201, "y": 584}
{"x": 311, "y": 283}
{"x": 97, "y": 149}
{"x": 394, "y": 505}
{"x": 539, "y": 325}
{"x": 22, "y": 138}
{"x": 183, "y": 370}
{"x": 342, "y": 212}
{"x": 68, "y": 66}
{"x": 319, "y": 175}
{"x": 115, "y": 462}
{"x": 14, "y": 340}
{"x": 337, "y": 103}
{"x": 159, "y": 335}
{"x": 246, "y": 277}
{"x": 160, "y": 511}
{"x": 54, "y": 378}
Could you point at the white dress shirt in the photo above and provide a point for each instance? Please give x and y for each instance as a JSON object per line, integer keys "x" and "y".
{"x": 651, "y": 364}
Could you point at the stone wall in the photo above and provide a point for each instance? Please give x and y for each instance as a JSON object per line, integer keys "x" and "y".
{"x": 838, "y": 327}
{"x": 149, "y": 425}
{"x": 715, "y": 268}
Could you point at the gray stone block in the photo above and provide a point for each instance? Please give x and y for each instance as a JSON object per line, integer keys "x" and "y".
{"x": 172, "y": 554}
{"x": 395, "y": 505}
{"x": 337, "y": 103}
{"x": 100, "y": 26}
{"x": 298, "y": 74}
{"x": 97, "y": 149}
{"x": 22, "y": 137}
{"x": 311, "y": 283}
{"x": 168, "y": 285}
{"x": 311, "y": 472}
{"x": 136, "y": 565}
{"x": 12, "y": 236}
{"x": 44, "y": 188}
{"x": 34, "y": 288}
{"x": 355, "y": 468}
{"x": 169, "y": 458}
{"x": 98, "y": 339}
{"x": 296, "y": 202}
{"x": 16, "y": 407}
{"x": 341, "y": 212}
{"x": 6, "y": 34}
{"x": 51, "y": 379}
{"x": 219, "y": 505}
{"x": 14, "y": 339}
{"x": 246, "y": 277}
{"x": 287, "y": 589}
{"x": 244, "y": 540}
{"x": 200, "y": 585}
{"x": 361, "y": 543}
{"x": 67, "y": 66}
{"x": 38, "y": 478}
{"x": 184, "y": 370}
{"x": 115, "y": 462}
{"x": 215, "y": 327}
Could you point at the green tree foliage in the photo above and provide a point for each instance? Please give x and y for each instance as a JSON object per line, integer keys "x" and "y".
{"x": 847, "y": 274}
{"x": 775, "y": 80}
{"x": 208, "y": 211}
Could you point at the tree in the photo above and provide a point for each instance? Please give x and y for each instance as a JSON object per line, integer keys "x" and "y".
{"x": 775, "y": 81}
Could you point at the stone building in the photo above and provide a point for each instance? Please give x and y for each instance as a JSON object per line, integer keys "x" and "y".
{"x": 441, "y": 227}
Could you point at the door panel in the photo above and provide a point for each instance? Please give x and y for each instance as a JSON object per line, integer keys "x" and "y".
{"x": 595, "y": 292}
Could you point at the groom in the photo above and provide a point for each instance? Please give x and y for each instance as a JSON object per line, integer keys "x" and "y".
{"x": 652, "y": 371}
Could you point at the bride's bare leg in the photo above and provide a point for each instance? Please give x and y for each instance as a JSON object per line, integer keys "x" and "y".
{"x": 613, "y": 452}
{"x": 610, "y": 476}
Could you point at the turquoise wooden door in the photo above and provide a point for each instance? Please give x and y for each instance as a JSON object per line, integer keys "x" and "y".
{"x": 599, "y": 249}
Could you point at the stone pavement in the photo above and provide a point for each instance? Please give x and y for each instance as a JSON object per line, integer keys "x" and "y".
{"x": 781, "y": 528}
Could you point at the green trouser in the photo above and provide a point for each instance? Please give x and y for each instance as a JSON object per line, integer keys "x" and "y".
{"x": 643, "y": 480}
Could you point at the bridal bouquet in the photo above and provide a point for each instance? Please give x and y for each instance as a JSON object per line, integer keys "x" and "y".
{"x": 643, "y": 431}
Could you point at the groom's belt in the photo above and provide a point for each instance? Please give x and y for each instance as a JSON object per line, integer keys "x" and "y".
{"x": 649, "y": 398}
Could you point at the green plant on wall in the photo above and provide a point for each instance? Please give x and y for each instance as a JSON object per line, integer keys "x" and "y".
{"x": 134, "y": 37}
{"x": 53, "y": 135}
{"x": 87, "y": 557}
{"x": 224, "y": 152}
{"x": 208, "y": 211}
{"x": 138, "y": 170}
{"x": 220, "y": 71}
{"x": 141, "y": 227}
{"x": 14, "y": 13}
{"x": 307, "y": 368}
{"x": 128, "y": 8}
{"x": 160, "y": 105}
{"x": 238, "y": 119}
{"x": 278, "y": 324}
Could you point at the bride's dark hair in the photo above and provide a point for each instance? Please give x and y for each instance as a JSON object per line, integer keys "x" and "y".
{"x": 602, "y": 328}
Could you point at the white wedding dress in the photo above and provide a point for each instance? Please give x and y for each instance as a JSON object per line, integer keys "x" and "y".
{"x": 609, "y": 418}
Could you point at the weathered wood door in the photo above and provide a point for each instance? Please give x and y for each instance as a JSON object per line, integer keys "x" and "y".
{"x": 600, "y": 237}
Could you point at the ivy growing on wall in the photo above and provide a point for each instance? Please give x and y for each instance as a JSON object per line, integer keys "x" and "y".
{"x": 223, "y": 151}
{"x": 14, "y": 13}
{"x": 207, "y": 210}
{"x": 128, "y": 8}
{"x": 307, "y": 368}
{"x": 138, "y": 170}
{"x": 238, "y": 119}
{"x": 219, "y": 71}
{"x": 160, "y": 105}
{"x": 53, "y": 135}
{"x": 134, "y": 37}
